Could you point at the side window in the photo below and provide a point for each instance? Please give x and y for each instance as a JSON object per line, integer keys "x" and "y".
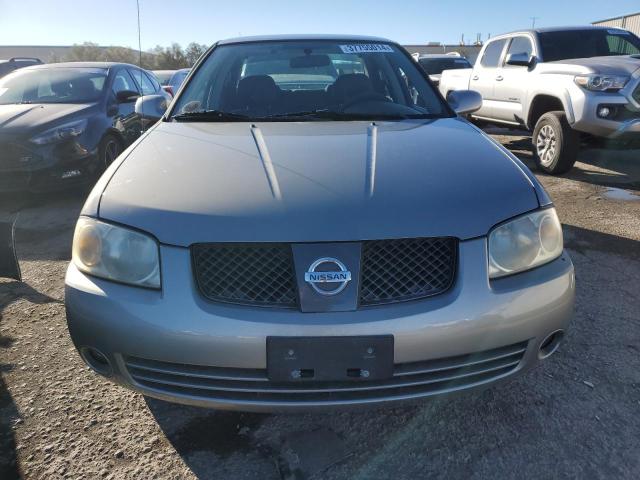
{"x": 144, "y": 84}
{"x": 154, "y": 81}
{"x": 123, "y": 81}
{"x": 520, "y": 45}
{"x": 492, "y": 53}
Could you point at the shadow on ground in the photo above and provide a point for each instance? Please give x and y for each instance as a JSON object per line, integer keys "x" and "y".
{"x": 9, "y": 293}
{"x": 609, "y": 165}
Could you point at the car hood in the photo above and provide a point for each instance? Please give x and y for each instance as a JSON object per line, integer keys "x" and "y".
{"x": 316, "y": 181}
{"x": 612, "y": 65}
{"x": 19, "y": 118}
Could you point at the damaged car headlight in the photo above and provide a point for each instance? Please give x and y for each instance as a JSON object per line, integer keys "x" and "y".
{"x": 601, "y": 83}
{"x": 524, "y": 243}
{"x": 61, "y": 132}
{"x": 116, "y": 253}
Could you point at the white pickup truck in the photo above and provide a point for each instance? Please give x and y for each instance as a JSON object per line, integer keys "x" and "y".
{"x": 561, "y": 83}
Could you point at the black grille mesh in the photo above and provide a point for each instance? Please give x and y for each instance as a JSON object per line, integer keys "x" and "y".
{"x": 263, "y": 274}
{"x": 260, "y": 274}
{"x": 398, "y": 270}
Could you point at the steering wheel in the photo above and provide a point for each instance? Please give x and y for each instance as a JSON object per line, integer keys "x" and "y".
{"x": 365, "y": 97}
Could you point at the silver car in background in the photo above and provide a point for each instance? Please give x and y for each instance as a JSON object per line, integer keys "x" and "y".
{"x": 171, "y": 80}
{"x": 292, "y": 236}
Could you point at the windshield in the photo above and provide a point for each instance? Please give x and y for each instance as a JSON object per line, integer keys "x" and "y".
{"x": 308, "y": 80}
{"x": 568, "y": 44}
{"x": 435, "y": 66}
{"x": 54, "y": 85}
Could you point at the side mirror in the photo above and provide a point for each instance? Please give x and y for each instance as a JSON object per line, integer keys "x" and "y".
{"x": 126, "y": 96}
{"x": 519, "y": 59}
{"x": 464, "y": 101}
{"x": 151, "y": 107}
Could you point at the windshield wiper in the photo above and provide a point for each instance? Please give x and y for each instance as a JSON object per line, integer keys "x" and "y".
{"x": 211, "y": 116}
{"x": 319, "y": 114}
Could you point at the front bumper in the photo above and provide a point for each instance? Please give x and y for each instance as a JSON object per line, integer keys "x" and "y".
{"x": 176, "y": 346}
{"x": 624, "y": 125}
{"x": 25, "y": 167}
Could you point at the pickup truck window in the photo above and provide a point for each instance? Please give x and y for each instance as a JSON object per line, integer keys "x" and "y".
{"x": 492, "y": 53}
{"x": 568, "y": 44}
{"x": 519, "y": 45}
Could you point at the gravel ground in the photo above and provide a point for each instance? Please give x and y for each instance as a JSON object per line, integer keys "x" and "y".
{"x": 576, "y": 416}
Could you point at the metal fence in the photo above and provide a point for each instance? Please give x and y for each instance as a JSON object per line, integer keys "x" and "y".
{"x": 628, "y": 22}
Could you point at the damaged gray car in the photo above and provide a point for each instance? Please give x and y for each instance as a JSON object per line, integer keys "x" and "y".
{"x": 312, "y": 225}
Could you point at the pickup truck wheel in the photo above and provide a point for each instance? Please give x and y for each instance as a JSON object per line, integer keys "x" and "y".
{"x": 555, "y": 143}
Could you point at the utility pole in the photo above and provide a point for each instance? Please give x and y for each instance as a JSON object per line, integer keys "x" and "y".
{"x": 533, "y": 21}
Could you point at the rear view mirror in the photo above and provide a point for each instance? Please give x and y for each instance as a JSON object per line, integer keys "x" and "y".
{"x": 126, "y": 96}
{"x": 309, "y": 61}
{"x": 519, "y": 59}
{"x": 151, "y": 107}
{"x": 464, "y": 101}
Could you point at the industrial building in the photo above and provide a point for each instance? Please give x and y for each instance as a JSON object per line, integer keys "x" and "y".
{"x": 629, "y": 22}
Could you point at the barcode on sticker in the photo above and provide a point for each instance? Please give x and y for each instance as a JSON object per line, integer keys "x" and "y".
{"x": 366, "y": 48}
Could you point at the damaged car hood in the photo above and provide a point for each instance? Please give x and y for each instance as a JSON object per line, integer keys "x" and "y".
{"x": 315, "y": 181}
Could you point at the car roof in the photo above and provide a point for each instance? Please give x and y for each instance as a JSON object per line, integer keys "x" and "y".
{"x": 303, "y": 37}
{"x": 559, "y": 29}
{"x": 103, "y": 65}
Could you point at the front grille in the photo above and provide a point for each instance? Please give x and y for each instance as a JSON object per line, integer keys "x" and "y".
{"x": 13, "y": 155}
{"x": 260, "y": 274}
{"x": 14, "y": 181}
{"x": 415, "y": 379}
{"x": 407, "y": 269}
{"x": 263, "y": 274}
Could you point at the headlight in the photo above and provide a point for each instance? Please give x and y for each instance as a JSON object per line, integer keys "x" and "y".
{"x": 525, "y": 243}
{"x": 116, "y": 253}
{"x": 601, "y": 83}
{"x": 61, "y": 132}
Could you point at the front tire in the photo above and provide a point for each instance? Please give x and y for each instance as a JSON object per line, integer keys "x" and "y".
{"x": 110, "y": 148}
{"x": 555, "y": 143}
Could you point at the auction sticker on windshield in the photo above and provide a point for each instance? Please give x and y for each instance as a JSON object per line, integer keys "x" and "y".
{"x": 366, "y": 48}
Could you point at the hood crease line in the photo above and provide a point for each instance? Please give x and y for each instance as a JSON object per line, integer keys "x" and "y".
{"x": 372, "y": 152}
{"x": 269, "y": 170}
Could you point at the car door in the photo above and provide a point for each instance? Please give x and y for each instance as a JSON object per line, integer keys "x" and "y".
{"x": 483, "y": 77}
{"x": 511, "y": 82}
{"x": 125, "y": 119}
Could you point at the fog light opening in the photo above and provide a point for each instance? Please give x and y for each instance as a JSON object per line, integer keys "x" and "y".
{"x": 97, "y": 361}
{"x": 607, "y": 111}
{"x": 550, "y": 344}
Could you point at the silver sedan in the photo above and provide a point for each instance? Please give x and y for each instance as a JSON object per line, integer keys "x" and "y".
{"x": 293, "y": 235}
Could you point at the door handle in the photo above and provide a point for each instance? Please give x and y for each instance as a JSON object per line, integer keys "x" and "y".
{"x": 475, "y": 77}
{"x": 499, "y": 78}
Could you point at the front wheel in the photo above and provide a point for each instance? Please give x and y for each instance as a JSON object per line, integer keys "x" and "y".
{"x": 555, "y": 143}
{"x": 110, "y": 148}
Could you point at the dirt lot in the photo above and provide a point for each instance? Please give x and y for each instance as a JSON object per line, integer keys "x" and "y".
{"x": 577, "y": 415}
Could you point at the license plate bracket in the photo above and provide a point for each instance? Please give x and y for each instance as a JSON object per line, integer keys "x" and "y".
{"x": 309, "y": 359}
